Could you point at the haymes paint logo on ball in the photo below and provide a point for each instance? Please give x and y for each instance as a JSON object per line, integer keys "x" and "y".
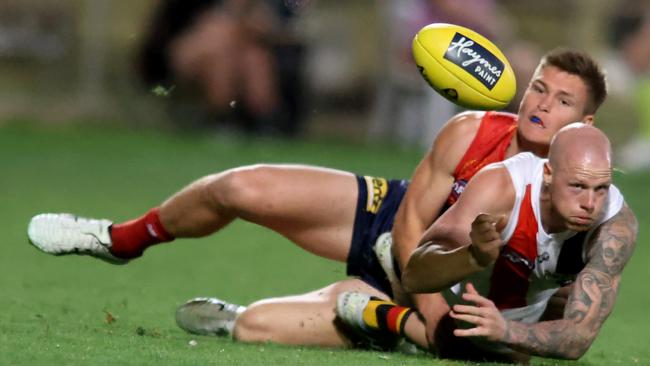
{"x": 475, "y": 59}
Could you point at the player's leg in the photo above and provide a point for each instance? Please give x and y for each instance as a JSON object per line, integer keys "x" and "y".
{"x": 314, "y": 207}
{"x": 307, "y": 319}
{"x": 376, "y": 317}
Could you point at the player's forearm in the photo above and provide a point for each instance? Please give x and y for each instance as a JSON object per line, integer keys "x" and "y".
{"x": 433, "y": 268}
{"x": 562, "y": 339}
{"x": 406, "y": 236}
{"x": 592, "y": 300}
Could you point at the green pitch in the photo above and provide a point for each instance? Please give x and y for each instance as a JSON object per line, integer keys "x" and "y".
{"x": 80, "y": 311}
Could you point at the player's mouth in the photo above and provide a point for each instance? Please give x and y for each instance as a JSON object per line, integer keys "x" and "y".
{"x": 538, "y": 121}
{"x": 582, "y": 220}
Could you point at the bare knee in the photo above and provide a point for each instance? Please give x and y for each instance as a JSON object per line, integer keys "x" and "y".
{"x": 254, "y": 325}
{"x": 239, "y": 189}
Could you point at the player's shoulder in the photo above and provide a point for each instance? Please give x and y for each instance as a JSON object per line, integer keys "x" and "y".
{"x": 524, "y": 168}
{"x": 466, "y": 125}
{"x": 524, "y": 159}
{"x": 514, "y": 172}
{"x": 460, "y": 130}
{"x": 493, "y": 186}
{"x": 465, "y": 122}
{"x": 454, "y": 139}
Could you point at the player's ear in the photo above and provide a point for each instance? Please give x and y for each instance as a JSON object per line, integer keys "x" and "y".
{"x": 548, "y": 173}
{"x": 588, "y": 119}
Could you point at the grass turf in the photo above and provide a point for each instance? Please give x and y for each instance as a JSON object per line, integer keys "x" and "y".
{"x": 73, "y": 310}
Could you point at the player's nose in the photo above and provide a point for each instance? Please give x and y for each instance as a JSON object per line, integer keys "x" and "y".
{"x": 588, "y": 201}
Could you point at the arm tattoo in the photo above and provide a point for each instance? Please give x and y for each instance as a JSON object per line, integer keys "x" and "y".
{"x": 592, "y": 297}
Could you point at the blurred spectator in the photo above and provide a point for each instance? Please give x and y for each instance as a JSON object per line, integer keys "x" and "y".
{"x": 628, "y": 73}
{"x": 239, "y": 55}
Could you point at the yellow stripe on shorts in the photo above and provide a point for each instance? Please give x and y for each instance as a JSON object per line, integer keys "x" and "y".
{"x": 377, "y": 190}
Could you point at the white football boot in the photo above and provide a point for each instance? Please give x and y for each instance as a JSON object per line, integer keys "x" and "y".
{"x": 350, "y": 306}
{"x": 60, "y": 234}
{"x": 208, "y": 316}
{"x": 349, "y": 309}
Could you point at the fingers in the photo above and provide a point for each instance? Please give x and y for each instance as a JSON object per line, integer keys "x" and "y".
{"x": 484, "y": 229}
{"x": 472, "y": 332}
{"x": 469, "y": 310}
{"x": 485, "y": 221}
{"x": 501, "y": 223}
{"x": 473, "y": 319}
{"x": 473, "y": 296}
{"x": 469, "y": 287}
{"x": 483, "y": 314}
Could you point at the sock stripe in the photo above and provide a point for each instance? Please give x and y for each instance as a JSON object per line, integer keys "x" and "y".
{"x": 382, "y": 311}
{"x": 396, "y": 318}
{"x": 372, "y": 314}
{"x": 385, "y": 315}
{"x": 403, "y": 319}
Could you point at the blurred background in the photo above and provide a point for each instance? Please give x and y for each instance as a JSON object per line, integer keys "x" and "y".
{"x": 106, "y": 107}
{"x": 295, "y": 68}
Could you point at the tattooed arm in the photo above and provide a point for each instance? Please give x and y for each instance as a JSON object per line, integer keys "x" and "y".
{"x": 592, "y": 297}
{"x": 590, "y": 302}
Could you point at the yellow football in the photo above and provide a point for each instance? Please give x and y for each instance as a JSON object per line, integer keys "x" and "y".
{"x": 464, "y": 67}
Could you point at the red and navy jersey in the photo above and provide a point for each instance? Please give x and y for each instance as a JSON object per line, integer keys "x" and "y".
{"x": 489, "y": 146}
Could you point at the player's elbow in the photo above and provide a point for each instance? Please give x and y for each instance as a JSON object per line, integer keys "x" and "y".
{"x": 580, "y": 349}
{"x": 417, "y": 281}
{"x": 421, "y": 275}
{"x": 575, "y": 353}
{"x": 415, "y": 287}
{"x": 412, "y": 276}
{"x": 408, "y": 282}
{"x": 575, "y": 349}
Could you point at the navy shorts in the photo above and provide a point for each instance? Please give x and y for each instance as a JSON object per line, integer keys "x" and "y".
{"x": 377, "y": 205}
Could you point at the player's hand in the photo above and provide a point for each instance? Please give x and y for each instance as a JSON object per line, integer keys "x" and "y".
{"x": 484, "y": 315}
{"x": 486, "y": 238}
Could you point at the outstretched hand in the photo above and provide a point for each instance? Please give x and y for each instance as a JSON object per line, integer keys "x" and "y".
{"x": 486, "y": 238}
{"x": 484, "y": 315}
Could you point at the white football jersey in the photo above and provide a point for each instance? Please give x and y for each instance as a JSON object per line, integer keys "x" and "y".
{"x": 532, "y": 264}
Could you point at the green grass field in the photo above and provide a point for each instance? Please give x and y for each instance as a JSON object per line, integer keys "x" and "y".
{"x": 56, "y": 310}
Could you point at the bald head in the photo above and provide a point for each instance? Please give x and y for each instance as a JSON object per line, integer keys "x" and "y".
{"x": 583, "y": 146}
{"x": 577, "y": 178}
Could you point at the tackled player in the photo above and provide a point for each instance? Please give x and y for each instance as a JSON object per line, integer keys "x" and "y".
{"x": 532, "y": 226}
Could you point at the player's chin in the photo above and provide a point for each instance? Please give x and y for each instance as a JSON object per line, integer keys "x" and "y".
{"x": 579, "y": 224}
{"x": 535, "y": 135}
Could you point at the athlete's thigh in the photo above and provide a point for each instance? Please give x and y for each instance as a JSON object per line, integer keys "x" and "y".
{"x": 314, "y": 207}
{"x": 307, "y": 319}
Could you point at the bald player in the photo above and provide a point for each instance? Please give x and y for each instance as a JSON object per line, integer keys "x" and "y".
{"x": 529, "y": 223}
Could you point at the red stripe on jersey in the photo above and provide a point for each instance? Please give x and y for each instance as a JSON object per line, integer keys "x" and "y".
{"x": 510, "y": 276}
